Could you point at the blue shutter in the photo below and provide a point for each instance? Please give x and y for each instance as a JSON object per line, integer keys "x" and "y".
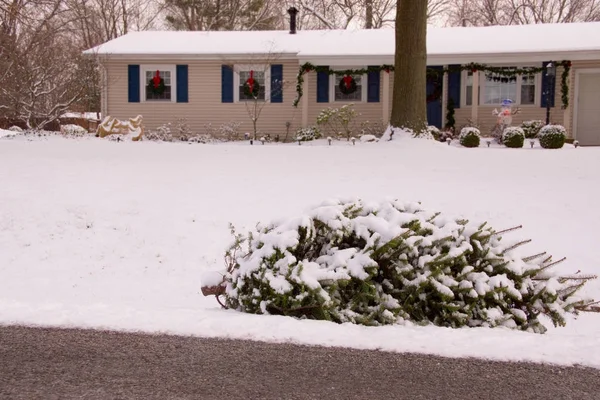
{"x": 226, "y": 84}
{"x": 547, "y": 86}
{"x": 373, "y": 78}
{"x": 133, "y": 83}
{"x": 454, "y": 85}
{"x": 322, "y": 87}
{"x": 182, "y": 83}
{"x": 276, "y": 83}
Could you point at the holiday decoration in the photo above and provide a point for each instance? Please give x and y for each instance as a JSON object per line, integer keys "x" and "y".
{"x": 156, "y": 85}
{"x": 504, "y": 119}
{"x": 251, "y": 86}
{"x": 496, "y": 73}
{"x": 348, "y": 85}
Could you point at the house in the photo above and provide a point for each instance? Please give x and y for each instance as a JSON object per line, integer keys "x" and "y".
{"x": 204, "y": 74}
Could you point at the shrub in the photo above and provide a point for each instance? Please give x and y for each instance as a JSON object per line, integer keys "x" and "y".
{"x": 434, "y": 132}
{"x": 384, "y": 263}
{"x": 15, "y": 128}
{"x": 307, "y": 134}
{"x": 513, "y": 137}
{"x": 469, "y": 137}
{"x": 552, "y": 136}
{"x": 532, "y": 128}
{"x": 338, "y": 121}
{"x": 372, "y": 128}
{"x": 73, "y": 130}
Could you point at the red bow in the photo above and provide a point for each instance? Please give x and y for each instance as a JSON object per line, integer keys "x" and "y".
{"x": 347, "y": 81}
{"x": 156, "y": 79}
{"x": 251, "y": 81}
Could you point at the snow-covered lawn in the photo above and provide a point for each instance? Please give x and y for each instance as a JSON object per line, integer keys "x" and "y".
{"x": 116, "y": 235}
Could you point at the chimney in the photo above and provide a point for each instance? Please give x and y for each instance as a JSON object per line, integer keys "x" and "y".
{"x": 293, "y": 11}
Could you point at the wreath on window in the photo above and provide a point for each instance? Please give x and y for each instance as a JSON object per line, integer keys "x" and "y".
{"x": 251, "y": 86}
{"x": 156, "y": 85}
{"x": 347, "y": 85}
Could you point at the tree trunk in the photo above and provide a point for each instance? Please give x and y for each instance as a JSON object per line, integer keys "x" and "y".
{"x": 409, "y": 106}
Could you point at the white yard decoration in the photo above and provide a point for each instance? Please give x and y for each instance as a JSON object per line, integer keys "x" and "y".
{"x": 112, "y": 126}
{"x": 103, "y": 235}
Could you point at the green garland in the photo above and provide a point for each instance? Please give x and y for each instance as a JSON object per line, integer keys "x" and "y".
{"x": 502, "y": 71}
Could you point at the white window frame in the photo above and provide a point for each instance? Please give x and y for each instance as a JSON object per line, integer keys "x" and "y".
{"x": 364, "y": 86}
{"x": 463, "y": 89}
{"x": 161, "y": 67}
{"x": 236, "y": 81}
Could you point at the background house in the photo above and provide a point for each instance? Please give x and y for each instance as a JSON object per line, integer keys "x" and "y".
{"x": 204, "y": 73}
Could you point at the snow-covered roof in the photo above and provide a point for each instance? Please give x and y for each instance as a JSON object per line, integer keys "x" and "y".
{"x": 551, "y": 39}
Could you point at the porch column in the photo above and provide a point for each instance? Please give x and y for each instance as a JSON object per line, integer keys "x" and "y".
{"x": 385, "y": 98}
{"x": 444, "y": 96}
{"x": 304, "y": 100}
{"x": 475, "y": 106}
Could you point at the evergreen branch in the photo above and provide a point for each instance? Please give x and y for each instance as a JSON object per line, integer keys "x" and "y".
{"x": 507, "y": 230}
{"x": 514, "y": 246}
{"x": 531, "y": 258}
{"x": 545, "y": 267}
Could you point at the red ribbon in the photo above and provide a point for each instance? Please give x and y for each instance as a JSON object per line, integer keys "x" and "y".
{"x": 156, "y": 79}
{"x": 251, "y": 81}
{"x": 347, "y": 81}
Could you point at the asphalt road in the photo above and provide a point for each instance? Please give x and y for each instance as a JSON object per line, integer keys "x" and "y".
{"x": 80, "y": 364}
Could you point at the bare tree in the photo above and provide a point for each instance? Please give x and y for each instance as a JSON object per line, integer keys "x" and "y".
{"x": 205, "y": 15}
{"x": 408, "y": 102}
{"x": 517, "y": 12}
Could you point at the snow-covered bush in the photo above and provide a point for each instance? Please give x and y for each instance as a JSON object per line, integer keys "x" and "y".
{"x": 228, "y": 131}
{"x": 204, "y": 139}
{"x": 73, "y": 130}
{"x": 372, "y": 128}
{"x": 307, "y": 134}
{"x": 532, "y": 128}
{"x": 552, "y": 136}
{"x": 513, "y": 137}
{"x": 15, "y": 128}
{"x": 434, "y": 132}
{"x": 469, "y": 137}
{"x": 368, "y": 138}
{"x": 389, "y": 262}
{"x": 338, "y": 121}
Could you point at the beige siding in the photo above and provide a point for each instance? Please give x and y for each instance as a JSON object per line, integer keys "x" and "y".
{"x": 372, "y": 112}
{"x": 204, "y": 106}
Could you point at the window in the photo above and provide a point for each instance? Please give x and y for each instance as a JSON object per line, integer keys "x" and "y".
{"x": 528, "y": 89}
{"x": 494, "y": 88}
{"x": 260, "y": 74}
{"x": 167, "y": 73}
{"x": 498, "y": 88}
{"x": 355, "y": 96}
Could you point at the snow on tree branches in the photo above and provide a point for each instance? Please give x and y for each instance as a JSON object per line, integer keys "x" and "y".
{"x": 388, "y": 262}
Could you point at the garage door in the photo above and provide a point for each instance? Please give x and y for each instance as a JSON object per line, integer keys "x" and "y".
{"x": 588, "y": 110}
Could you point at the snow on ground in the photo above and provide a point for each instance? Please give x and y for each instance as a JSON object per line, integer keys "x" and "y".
{"x": 101, "y": 234}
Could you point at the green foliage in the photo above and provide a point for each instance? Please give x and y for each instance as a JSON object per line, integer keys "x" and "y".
{"x": 384, "y": 263}
{"x": 307, "y": 134}
{"x": 513, "y": 137}
{"x": 532, "y": 128}
{"x": 552, "y": 136}
{"x": 450, "y": 112}
{"x": 469, "y": 137}
{"x": 338, "y": 121}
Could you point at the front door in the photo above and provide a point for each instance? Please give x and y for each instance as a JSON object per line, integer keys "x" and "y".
{"x": 434, "y": 96}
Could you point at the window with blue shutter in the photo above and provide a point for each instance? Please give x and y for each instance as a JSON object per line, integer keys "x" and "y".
{"x": 277, "y": 83}
{"x": 547, "y": 87}
{"x": 133, "y": 83}
{"x": 182, "y": 83}
{"x": 226, "y": 84}
{"x": 454, "y": 85}
{"x": 373, "y": 83}
{"x": 322, "y": 87}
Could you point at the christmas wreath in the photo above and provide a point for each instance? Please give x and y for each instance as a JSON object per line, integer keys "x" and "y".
{"x": 156, "y": 85}
{"x": 251, "y": 86}
{"x": 347, "y": 85}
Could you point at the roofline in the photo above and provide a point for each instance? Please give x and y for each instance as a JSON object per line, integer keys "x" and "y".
{"x": 446, "y": 59}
